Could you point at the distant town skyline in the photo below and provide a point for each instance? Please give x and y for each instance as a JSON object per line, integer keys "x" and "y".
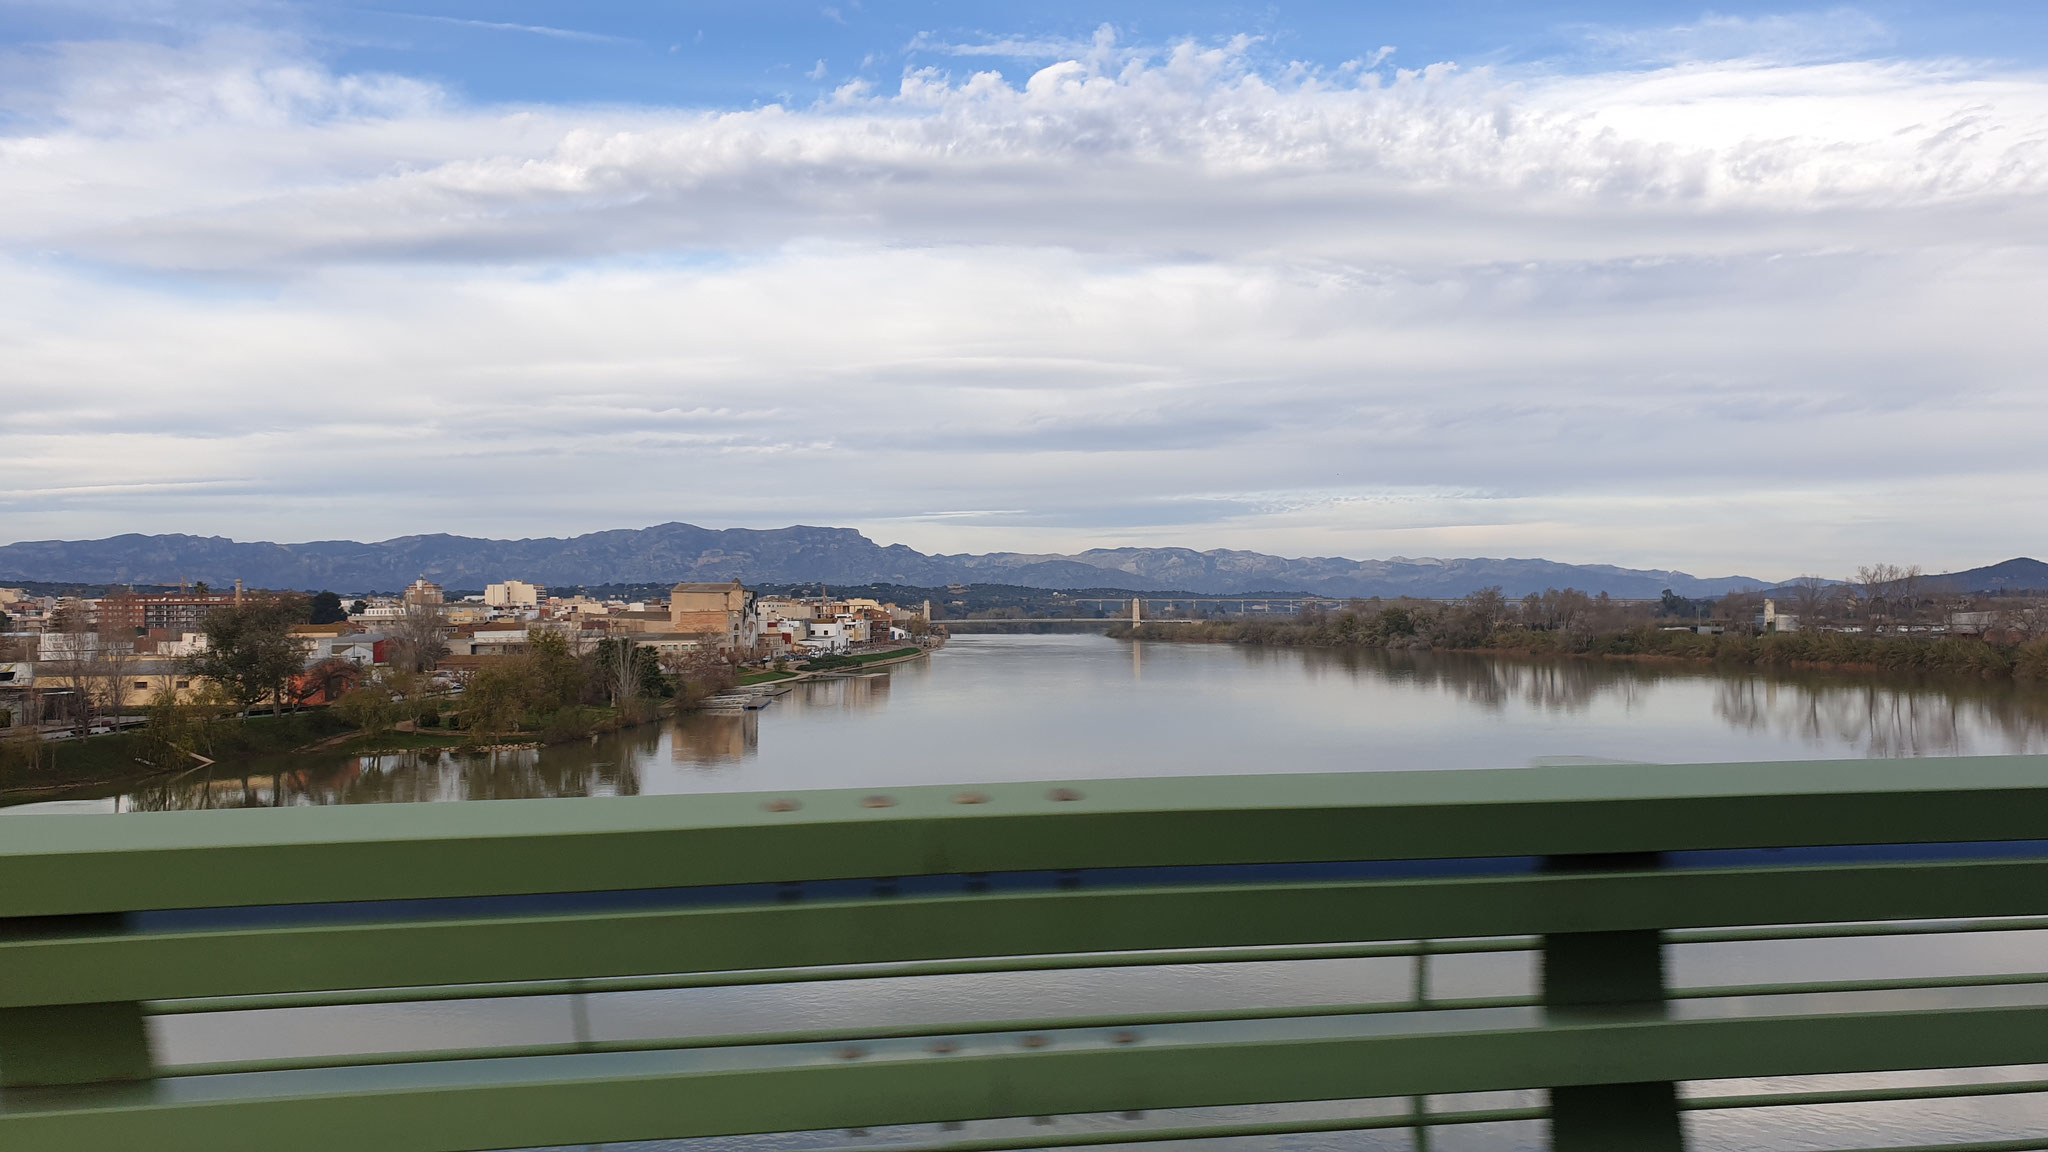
{"x": 1751, "y": 289}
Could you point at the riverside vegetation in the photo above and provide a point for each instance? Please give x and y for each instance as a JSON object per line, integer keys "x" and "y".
{"x": 551, "y": 694}
{"x": 1569, "y": 623}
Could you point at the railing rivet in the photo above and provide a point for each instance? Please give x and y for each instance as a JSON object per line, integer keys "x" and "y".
{"x": 852, "y": 1053}
{"x": 1063, "y": 794}
{"x": 1123, "y": 1037}
{"x": 943, "y": 1048}
{"x": 971, "y": 798}
{"x": 782, "y": 804}
{"x": 1034, "y": 1041}
{"x": 878, "y": 801}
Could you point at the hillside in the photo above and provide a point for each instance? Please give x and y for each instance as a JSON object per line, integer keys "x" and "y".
{"x": 672, "y": 552}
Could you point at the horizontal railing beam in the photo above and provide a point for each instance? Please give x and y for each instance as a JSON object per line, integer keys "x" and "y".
{"x": 92, "y": 967}
{"x": 602, "y": 1098}
{"x": 69, "y": 865}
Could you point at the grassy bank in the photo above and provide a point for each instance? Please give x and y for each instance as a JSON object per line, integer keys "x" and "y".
{"x": 839, "y": 663}
{"x": 1849, "y": 651}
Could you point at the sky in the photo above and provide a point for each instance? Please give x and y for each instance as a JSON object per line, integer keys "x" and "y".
{"x": 1750, "y": 289}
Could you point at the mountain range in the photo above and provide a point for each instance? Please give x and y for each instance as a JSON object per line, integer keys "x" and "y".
{"x": 803, "y": 554}
{"x": 676, "y": 552}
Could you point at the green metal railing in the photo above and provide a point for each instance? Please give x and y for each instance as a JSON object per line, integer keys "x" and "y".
{"x": 107, "y": 924}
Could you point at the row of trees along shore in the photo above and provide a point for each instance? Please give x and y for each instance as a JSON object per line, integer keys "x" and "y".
{"x": 1879, "y": 622}
{"x": 561, "y": 688}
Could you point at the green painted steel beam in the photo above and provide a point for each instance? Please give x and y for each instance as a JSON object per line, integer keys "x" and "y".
{"x": 508, "y": 1103}
{"x": 63, "y": 865}
{"x": 94, "y": 967}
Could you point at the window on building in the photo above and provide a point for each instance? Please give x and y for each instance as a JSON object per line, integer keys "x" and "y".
{"x": 144, "y": 684}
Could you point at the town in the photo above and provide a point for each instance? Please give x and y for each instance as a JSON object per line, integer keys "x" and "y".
{"x": 87, "y": 665}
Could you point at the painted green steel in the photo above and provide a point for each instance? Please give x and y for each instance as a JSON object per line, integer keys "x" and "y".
{"x": 158, "y": 966}
{"x": 495, "y": 1104}
{"x": 64, "y": 956}
{"x": 61, "y": 865}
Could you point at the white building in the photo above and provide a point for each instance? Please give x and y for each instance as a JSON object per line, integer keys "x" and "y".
{"x": 1772, "y": 620}
{"x": 826, "y": 636}
{"x": 512, "y": 594}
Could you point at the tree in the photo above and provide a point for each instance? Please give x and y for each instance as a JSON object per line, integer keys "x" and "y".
{"x": 327, "y": 609}
{"x": 250, "y": 650}
{"x": 420, "y": 636}
{"x": 326, "y": 681}
{"x": 1740, "y": 610}
{"x": 109, "y": 666}
{"x": 699, "y": 673}
{"x": 627, "y": 671}
{"x": 500, "y": 694}
{"x": 1891, "y": 594}
{"x": 1488, "y": 608}
{"x": 559, "y": 671}
{"x": 368, "y": 707}
{"x": 359, "y": 607}
{"x": 1813, "y": 599}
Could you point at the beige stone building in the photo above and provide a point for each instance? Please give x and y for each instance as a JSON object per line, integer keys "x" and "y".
{"x": 722, "y": 612}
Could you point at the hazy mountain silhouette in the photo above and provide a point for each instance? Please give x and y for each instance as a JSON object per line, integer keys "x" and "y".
{"x": 788, "y": 555}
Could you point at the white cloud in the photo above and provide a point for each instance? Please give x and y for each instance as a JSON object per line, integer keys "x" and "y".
{"x": 1783, "y": 38}
{"x": 1727, "y": 316}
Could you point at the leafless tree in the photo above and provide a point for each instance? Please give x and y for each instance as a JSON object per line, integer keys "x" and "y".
{"x": 1891, "y": 594}
{"x": 109, "y": 667}
{"x": 1815, "y": 600}
{"x": 1739, "y": 609}
{"x": 420, "y": 635}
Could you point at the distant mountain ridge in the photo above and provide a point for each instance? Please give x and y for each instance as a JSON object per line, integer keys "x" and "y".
{"x": 2021, "y": 574}
{"x": 801, "y": 553}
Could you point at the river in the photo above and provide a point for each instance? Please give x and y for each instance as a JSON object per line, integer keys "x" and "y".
{"x": 991, "y": 708}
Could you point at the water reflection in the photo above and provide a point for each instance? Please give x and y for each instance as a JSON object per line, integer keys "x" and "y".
{"x": 993, "y": 708}
{"x": 714, "y": 737}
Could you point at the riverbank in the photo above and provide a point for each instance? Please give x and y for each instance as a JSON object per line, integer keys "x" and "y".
{"x": 33, "y": 767}
{"x": 32, "y": 770}
{"x": 1837, "y": 651}
{"x": 60, "y": 767}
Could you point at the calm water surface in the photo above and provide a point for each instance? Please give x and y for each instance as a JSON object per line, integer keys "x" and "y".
{"x": 991, "y": 708}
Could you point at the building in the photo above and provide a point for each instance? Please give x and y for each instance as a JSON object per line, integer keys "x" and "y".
{"x": 512, "y": 594}
{"x": 827, "y": 636}
{"x": 425, "y": 591}
{"x": 639, "y": 620}
{"x": 784, "y": 608}
{"x": 1769, "y": 619}
{"x": 134, "y": 613}
{"x": 369, "y": 649}
{"x": 504, "y": 638}
{"x": 723, "y": 613}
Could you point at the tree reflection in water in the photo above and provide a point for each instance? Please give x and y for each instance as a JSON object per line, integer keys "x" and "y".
{"x": 1016, "y": 707}
{"x": 1876, "y": 714}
